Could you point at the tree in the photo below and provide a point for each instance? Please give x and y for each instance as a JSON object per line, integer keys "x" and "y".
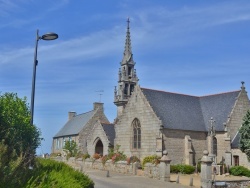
{"x": 18, "y": 138}
{"x": 245, "y": 135}
{"x": 71, "y": 148}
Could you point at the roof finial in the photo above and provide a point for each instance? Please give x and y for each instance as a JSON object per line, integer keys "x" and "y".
{"x": 243, "y": 87}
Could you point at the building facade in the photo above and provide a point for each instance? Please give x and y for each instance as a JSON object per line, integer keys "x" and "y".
{"x": 150, "y": 121}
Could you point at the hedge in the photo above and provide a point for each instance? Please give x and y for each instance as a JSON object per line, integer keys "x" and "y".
{"x": 182, "y": 168}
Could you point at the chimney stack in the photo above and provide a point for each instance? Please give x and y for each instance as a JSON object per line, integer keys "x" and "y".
{"x": 71, "y": 115}
{"x": 98, "y": 105}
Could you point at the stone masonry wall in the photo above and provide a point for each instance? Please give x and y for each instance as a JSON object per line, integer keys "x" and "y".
{"x": 174, "y": 143}
{"x": 243, "y": 161}
{"x": 99, "y": 115}
{"x": 138, "y": 107}
{"x": 97, "y": 133}
{"x": 238, "y": 112}
{"x": 223, "y": 145}
{"x": 59, "y": 149}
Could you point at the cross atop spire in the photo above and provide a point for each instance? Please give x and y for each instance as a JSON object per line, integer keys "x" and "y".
{"x": 128, "y": 21}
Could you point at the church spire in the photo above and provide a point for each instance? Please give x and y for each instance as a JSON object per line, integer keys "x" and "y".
{"x": 127, "y": 55}
{"x": 127, "y": 78}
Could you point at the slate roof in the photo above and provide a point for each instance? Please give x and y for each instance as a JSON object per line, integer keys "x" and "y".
{"x": 185, "y": 112}
{"x": 110, "y": 131}
{"x": 76, "y": 124}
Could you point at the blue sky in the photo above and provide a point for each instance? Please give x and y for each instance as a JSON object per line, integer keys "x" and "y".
{"x": 190, "y": 47}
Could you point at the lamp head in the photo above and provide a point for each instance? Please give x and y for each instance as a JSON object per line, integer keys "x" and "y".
{"x": 49, "y": 36}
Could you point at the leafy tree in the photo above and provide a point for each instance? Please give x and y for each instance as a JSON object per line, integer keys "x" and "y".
{"x": 71, "y": 148}
{"x": 18, "y": 138}
{"x": 245, "y": 135}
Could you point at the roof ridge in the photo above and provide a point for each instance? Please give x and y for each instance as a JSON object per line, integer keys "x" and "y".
{"x": 220, "y": 93}
{"x": 84, "y": 113}
{"x": 192, "y": 95}
{"x": 169, "y": 92}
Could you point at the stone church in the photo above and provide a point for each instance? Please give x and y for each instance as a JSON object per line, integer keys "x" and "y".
{"x": 150, "y": 121}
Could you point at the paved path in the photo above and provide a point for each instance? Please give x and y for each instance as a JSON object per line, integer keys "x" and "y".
{"x": 117, "y": 180}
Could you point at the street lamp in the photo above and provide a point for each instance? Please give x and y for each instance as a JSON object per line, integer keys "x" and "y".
{"x": 47, "y": 36}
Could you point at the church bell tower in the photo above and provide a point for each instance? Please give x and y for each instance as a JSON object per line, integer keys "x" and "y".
{"x": 127, "y": 78}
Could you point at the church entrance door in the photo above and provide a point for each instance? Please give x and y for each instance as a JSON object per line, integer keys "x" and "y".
{"x": 99, "y": 147}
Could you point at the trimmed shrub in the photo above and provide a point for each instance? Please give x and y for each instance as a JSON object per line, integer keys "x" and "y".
{"x": 154, "y": 159}
{"x": 182, "y": 168}
{"x": 239, "y": 171}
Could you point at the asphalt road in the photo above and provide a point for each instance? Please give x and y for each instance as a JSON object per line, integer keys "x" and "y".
{"x": 117, "y": 180}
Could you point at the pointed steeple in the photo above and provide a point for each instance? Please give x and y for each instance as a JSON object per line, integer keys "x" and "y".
{"x": 127, "y": 55}
{"x": 127, "y": 78}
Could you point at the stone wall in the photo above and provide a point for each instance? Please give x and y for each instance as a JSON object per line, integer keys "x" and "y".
{"x": 138, "y": 107}
{"x": 239, "y": 111}
{"x": 174, "y": 143}
{"x": 243, "y": 161}
{"x": 120, "y": 166}
{"x": 61, "y": 141}
{"x": 99, "y": 115}
{"x": 96, "y": 134}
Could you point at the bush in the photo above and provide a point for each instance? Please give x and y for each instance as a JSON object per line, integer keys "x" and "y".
{"x": 115, "y": 155}
{"x": 49, "y": 173}
{"x": 85, "y": 156}
{"x": 182, "y": 168}
{"x": 154, "y": 159}
{"x": 96, "y": 156}
{"x": 55, "y": 154}
{"x": 133, "y": 159}
{"x": 239, "y": 171}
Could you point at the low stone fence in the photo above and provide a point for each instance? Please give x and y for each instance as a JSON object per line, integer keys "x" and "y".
{"x": 120, "y": 166}
{"x": 151, "y": 171}
{"x": 160, "y": 171}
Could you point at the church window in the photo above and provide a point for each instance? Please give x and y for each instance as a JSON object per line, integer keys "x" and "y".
{"x": 126, "y": 89}
{"x": 214, "y": 146}
{"x": 136, "y": 134}
{"x": 131, "y": 89}
{"x": 64, "y": 141}
{"x": 129, "y": 71}
{"x": 57, "y": 143}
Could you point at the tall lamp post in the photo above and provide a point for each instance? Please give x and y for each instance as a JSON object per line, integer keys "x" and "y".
{"x": 47, "y": 36}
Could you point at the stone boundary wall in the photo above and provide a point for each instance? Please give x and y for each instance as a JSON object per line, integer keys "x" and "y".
{"x": 235, "y": 183}
{"x": 120, "y": 166}
{"x": 150, "y": 170}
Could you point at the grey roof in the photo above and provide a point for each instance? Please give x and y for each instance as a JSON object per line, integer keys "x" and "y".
{"x": 110, "y": 131}
{"x": 76, "y": 124}
{"x": 236, "y": 140}
{"x": 185, "y": 112}
{"x": 219, "y": 107}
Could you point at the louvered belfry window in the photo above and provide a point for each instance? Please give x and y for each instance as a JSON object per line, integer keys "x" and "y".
{"x": 136, "y": 134}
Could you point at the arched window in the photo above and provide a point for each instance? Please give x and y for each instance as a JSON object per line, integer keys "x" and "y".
{"x": 215, "y": 146}
{"x": 136, "y": 134}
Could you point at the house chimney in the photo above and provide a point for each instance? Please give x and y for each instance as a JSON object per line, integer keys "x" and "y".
{"x": 71, "y": 115}
{"x": 98, "y": 105}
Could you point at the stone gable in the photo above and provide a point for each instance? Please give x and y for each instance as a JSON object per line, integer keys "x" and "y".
{"x": 138, "y": 107}
{"x": 235, "y": 119}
